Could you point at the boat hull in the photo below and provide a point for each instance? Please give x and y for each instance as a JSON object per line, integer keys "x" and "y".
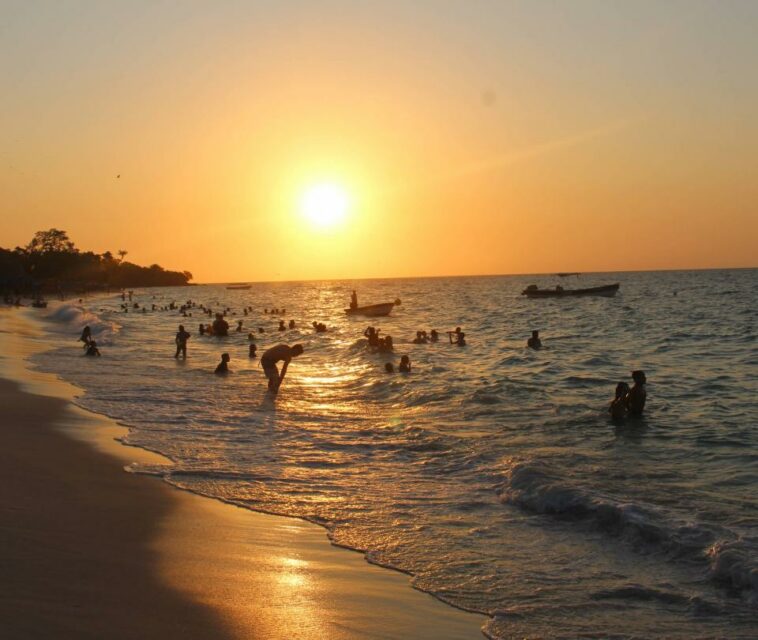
{"x": 239, "y": 287}
{"x": 372, "y": 310}
{"x": 606, "y": 291}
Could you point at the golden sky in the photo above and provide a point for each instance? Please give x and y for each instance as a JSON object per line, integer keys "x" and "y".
{"x": 474, "y": 137}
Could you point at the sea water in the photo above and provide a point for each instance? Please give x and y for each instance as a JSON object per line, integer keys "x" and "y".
{"x": 492, "y": 473}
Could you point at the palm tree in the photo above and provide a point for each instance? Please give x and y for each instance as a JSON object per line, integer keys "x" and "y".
{"x": 122, "y": 254}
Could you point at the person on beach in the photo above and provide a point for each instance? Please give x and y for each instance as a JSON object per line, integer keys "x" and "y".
{"x": 405, "y": 365}
{"x": 618, "y": 406}
{"x": 534, "y": 342}
{"x": 637, "y": 395}
{"x": 354, "y": 300}
{"x": 460, "y": 337}
{"x": 283, "y": 353}
{"x": 223, "y": 367}
{"x": 92, "y": 349}
{"x": 220, "y": 326}
{"x": 86, "y": 336}
{"x": 181, "y": 342}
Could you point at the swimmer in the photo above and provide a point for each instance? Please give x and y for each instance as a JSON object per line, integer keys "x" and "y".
{"x": 534, "y": 342}
{"x": 385, "y": 345}
{"x": 92, "y": 349}
{"x": 292, "y": 324}
{"x": 220, "y": 326}
{"x": 201, "y": 329}
{"x": 223, "y": 366}
{"x": 239, "y": 326}
{"x": 181, "y": 342}
{"x": 460, "y": 337}
{"x": 281, "y": 326}
{"x": 434, "y": 336}
{"x": 281, "y": 352}
{"x": 86, "y": 336}
{"x": 618, "y": 406}
{"x": 373, "y": 336}
{"x": 389, "y": 368}
{"x": 637, "y": 394}
{"x": 252, "y": 350}
{"x": 405, "y": 365}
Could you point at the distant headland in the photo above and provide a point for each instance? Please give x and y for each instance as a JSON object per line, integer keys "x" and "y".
{"x": 52, "y": 263}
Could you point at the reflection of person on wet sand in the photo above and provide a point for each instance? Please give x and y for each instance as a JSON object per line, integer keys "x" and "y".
{"x": 281, "y": 352}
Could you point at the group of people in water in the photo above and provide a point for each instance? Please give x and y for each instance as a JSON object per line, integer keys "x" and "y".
{"x": 628, "y": 401}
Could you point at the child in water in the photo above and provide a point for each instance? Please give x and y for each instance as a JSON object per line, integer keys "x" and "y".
{"x": 92, "y": 349}
{"x": 405, "y": 365}
{"x": 619, "y": 404}
{"x": 223, "y": 366}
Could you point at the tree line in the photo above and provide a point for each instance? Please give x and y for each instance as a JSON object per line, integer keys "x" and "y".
{"x": 51, "y": 262}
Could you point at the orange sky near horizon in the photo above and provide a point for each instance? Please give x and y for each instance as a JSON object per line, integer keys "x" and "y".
{"x": 470, "y": 138}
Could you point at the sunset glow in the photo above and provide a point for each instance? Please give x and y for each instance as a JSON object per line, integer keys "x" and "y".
{"x": 324, "y": 205}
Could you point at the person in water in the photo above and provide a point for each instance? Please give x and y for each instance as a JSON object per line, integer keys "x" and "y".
{"x": 618, "y": 406}
{"x": 420, "y": 338}
{"x": 534, "y": 342}
{"x": 281, "y": 326}
{"x": 434, "y": 336}
{"x": 389, "y": 368}
{"x": 386, "y": 345}
{"x": 637, "y": 394}
{"x": 405, "y": 365}
{"x": 239, "y": 326}
{"x": 354, "y": 300}
{"x": 279, "y": 353}
{"x": 86, "y": 336}
{"x": 220, "y": 326}
{"x": 223, "y": 367}
{"x": 373, "y": 336}
{"x": 92, "y": 349}
{"x": 460, "y": 337}
{"x": 252, "y": 351}
{"x": 181, "y": 342}
{"x": 292, "y": 324}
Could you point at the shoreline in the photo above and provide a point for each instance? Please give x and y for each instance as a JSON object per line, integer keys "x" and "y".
{"x": 106, "y": 553}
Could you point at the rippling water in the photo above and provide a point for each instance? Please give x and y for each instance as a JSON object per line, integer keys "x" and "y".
{"x": 492, "y": 473}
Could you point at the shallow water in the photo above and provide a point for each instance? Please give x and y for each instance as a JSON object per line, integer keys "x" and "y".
{"x": 492, "y": 473}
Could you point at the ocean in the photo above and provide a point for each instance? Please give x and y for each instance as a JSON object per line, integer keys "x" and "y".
{"x": 492, "y": 473}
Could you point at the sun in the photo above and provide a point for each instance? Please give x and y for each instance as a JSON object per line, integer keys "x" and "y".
{"x": 325, "y": 205}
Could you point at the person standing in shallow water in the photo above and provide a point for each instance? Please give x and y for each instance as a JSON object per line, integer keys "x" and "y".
{"x": 86, "y": 336}
{"x": 618, "y": 406}
{"x": 638, "y": 394}
{"x": 281, "y": 352}
{"x": 181, "y": 342}
{"x": 223, "y": 367}
{"x": 534, "y": 342}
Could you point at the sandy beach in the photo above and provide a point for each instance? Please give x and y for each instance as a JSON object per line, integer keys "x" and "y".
{"x": 92, "y": 551}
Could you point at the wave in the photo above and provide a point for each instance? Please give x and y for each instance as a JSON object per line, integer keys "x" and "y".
{"x": 534, "y": 487}
{"x": 77, "y": 318}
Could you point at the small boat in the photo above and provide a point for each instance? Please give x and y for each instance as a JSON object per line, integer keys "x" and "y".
{"x": 568, "y": 273}
{"x": 239, "y": 286}
{"x": 372, "y": 310}
{"x": 607, "y": 291}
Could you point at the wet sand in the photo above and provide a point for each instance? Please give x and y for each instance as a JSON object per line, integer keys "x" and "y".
{"x": 91, "y": 551}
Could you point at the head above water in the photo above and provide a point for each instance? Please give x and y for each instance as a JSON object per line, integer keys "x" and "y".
{"x": 535, "y": 334}
{"x": 389, "y": 368}
{"x": 225, "y": 357}
{"x": 622, "y": 388}
{"x": 639, "y": 376}
{"x": 181, "y": 327}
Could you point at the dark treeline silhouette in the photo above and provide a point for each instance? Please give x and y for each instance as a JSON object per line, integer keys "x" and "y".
{"x": 51, "y": 263}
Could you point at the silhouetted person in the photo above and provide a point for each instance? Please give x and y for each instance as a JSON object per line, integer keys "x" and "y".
{"x": 279, "y": 353}
{"x": 354, "y": 300}
{"x": 220, "y": 326}
{"x": 201, "y": 329}
{"x": 389, "y": 367}
{"x": 618, "y": 406}
{"x": 534, "y": 342}
{"x": 637, "y": 395}
{"x": 86, "y": 336}
{"x": 223, "y": 366}
{"x": 292, "y": 324}
{"x": 405, "y": 365}
{"x": 373, "y": 336}
{"x": 386, "y": 345}
{"x": 460, "y": 337}
{"x": 434, "y": 336}
{"x": 420, "y": 338}
{"x": 281, "y": 326}
{"x": 261, "y": 330}
{"x": 252, "y": 350}
{"x": 181, "y": 342}
{"x": 92, "y": 349}
{"x": 239, "y": 326}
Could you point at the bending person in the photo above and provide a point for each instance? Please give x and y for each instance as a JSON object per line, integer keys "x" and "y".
{"x": 281, "y": 352}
